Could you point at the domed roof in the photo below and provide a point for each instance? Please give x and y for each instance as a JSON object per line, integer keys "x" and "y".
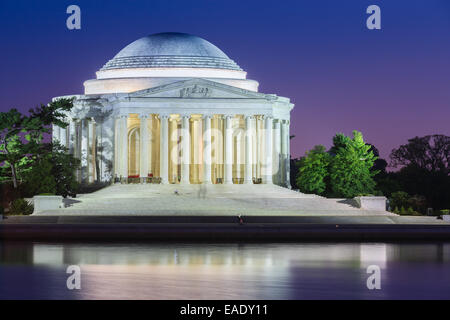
{"x": 171, "y": 50}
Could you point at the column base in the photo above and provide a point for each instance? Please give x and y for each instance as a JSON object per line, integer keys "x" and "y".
{"x": 267, "y": 180}
{"x": 248, "y": 181}
{"x": 143, "y": 180}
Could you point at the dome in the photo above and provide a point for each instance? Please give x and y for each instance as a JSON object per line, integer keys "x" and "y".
{"x": 171, "y": 50}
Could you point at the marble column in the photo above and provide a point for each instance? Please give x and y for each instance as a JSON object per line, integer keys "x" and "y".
{"x": 55, "y": 133}
{"x": 63, "y": 136}
{"x": 185, "y": 150}
{"x": 248, "y": 177}
{"x": 91, "y": 149}
{"x": 164, "y": 149}
{"x": 207, "y": 149}
{"x": 267, "y": 178}
{"x": 104, "y": 132}
{"x": 173, "y": 150}
{"x": 84, "y": 151}
{"x": 117, "y": 143}
{"x": 276, "y": 163}
{"x": 228, "y": 175}
{"x": 143, "y": 144}
{"x": 284, "y": 152}
{"x": 123, "y": 137}
{"x": 288, "y": 155}
{"x": 72, "y": 136}
{"x": 150, "y": 124}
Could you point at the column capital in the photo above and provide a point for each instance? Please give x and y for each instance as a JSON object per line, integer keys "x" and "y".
{"x": 143, "y": 115}
{"x": 267, "y": 116}
{"x": 185, "y": 115}
{"x": 122, "y": 116}
{"x": 163, "y": 115}
{"x": 228, "y": 116}
{"x": 249, "y": 116}
{"x": 206, "y": 116}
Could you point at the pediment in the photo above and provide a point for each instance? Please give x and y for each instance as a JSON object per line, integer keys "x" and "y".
{"x": 198, "y": 89}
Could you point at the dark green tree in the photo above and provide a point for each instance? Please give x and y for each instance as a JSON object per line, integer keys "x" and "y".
{"x": 424, "y": 169}
{"x": 313, "y": 171}
{"x": 52, "y": 172}
{"x": 431, "y": 153}
{"x": 39, "y": 178}
{"x": 64, "y": 171}
{"x": 351, "y": 171}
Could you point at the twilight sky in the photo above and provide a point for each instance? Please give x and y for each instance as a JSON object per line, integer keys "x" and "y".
{"x": 391, "y": 84}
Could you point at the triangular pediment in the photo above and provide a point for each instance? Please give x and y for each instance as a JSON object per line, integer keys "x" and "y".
{"x": 198, "y": 89}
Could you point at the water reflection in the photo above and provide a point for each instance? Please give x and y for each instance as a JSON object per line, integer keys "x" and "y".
{"x": 224, "y": 271}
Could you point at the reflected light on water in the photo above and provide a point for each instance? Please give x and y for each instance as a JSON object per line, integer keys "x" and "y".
{"x": 222, "y": 271}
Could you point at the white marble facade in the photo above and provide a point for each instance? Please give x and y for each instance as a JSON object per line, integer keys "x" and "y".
{"x": 173, "y": 108}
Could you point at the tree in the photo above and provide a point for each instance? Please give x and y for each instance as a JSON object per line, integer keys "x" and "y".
{"x": 313, "y": 171}
{"x": 430, "y": 153}
{"x": 424, "y": 163}
{"x": 340, "y": 141}
{"x": 351, "y": 171}
{"x": 63, "y": 170}
{"x": 39, "y": 179}
{"x": 11, "y": 124}
{"x": 21, "y": 136}
{"x": 52, "y": 172}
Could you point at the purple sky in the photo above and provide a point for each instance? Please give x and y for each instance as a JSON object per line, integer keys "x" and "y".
{"x": 391, "y": 84}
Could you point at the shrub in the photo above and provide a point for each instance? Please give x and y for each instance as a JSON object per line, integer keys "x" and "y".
{"x": 406, "y": 212}
{"x": 399, "y": 199}
{"x": 21, "y": 207}
{"x": 445, "y": 211}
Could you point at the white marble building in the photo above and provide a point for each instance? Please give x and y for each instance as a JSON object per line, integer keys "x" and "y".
{"x": 173, "y": 108}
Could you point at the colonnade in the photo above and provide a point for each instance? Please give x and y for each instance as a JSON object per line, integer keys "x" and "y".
{"x": 185, "y": 148}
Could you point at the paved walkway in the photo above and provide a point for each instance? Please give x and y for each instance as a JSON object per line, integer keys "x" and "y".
{"x": 207, "y": 200}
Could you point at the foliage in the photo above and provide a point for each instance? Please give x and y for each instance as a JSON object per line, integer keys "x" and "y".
{"x": 346, "y": 170}
{"x": 424, "y": 169}
{"x": 431, "y": 153}
{"x": 21, "y": 207}
{"x": 313, "y": 171}
{"x": 351, "y": 168}
{"x": 64, "y": 171}
{"x": 340, "y": 141}
{"x": 53, "y": 172}
{"x": 406, "y": 212}
{"x": 40, "y": 179}
{"x": 21, "y": 136}
{"x": 399, "y": 199}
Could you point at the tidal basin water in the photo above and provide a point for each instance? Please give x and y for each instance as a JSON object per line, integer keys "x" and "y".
{"x": 224, "y": 271}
